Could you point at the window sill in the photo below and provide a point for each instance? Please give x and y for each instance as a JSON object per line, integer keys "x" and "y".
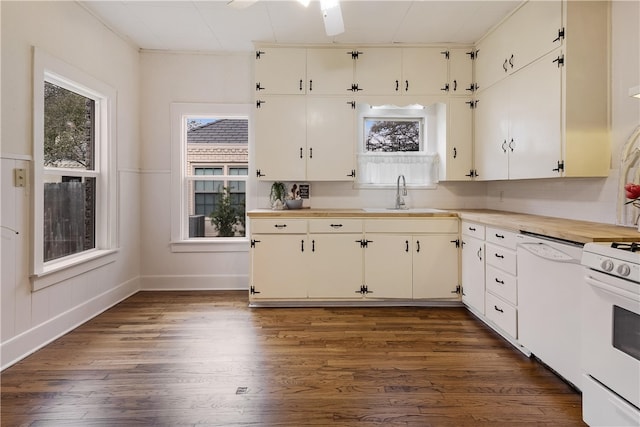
{"x": 219, "y": 244}
{"x": 66, "y": 268}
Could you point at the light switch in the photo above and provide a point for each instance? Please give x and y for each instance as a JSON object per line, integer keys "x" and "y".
{"x": 19, "y": 177}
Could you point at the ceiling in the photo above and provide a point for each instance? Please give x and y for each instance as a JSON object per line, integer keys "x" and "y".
{"x": 214, "y": 26}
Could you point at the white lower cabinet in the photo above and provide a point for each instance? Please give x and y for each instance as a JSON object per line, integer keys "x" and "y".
{"x": 328, "y": 259}
{"x": 278, "y": 266}
{"x": 412, "y": 258}
{"x": 473, "y": 265}
{"x": 335, "y": 263}
{"x": 489, "y": 276}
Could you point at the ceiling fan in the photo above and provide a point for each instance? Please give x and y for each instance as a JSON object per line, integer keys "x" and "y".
{"x": 331, "y": 13}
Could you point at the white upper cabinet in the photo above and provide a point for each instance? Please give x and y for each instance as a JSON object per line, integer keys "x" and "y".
{"x": 281, "y": 137}
{"x": 330, "y": 138}
{"x": 280, "y": 71}
{"x": 531, "y": 32}
{"x": 461, "y": 71}
{"x": 329, "y": 71}
{"x": 378, "y": 71}
{"x": 548, "y": 116}
{"x": 398, "y": 71}
{"x": 424, "y": 71}
{"x": 456, "y": 155}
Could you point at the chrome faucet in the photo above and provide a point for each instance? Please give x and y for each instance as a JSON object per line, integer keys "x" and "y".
{"x": 399, "y": 197}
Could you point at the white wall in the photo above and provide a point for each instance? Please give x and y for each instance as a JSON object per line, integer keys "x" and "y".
{"x": 67, "y": 31}
{"x": 185, "y": 78}
{"x": 588, "y": 199}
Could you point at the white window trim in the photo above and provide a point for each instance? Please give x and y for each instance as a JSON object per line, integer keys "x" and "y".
{"x": 54, "y": 70}
{"x": 179, "y": 197}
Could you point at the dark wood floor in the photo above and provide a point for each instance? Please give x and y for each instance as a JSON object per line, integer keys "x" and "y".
{"x": 205, "y": 358}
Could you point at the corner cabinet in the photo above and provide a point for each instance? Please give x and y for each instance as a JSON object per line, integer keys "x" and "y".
{"x": 544, "y": 117}
{"x": 315, "y": 260}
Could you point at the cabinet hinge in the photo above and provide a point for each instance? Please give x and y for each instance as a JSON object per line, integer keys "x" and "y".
{"x": 252, "y": 290}
{"x": 353, "y": 104}
{"x": 364, "y": 290}
{"x": 458, "y": 290}
{"x": 259, "y": 53}
{"x": 352, "y": 174}
{"x": 472, "y": 173}
{"x": 473, "y": 87}
{"x": 253, "y": 243}
{"x": 354, "y": 88}
{"x": 259, "y": 173}
{"x": 559, "y": 60}
{"x": 259, "y": 103}
{"x": 560, "y": 167}
{"x": 364, "y": 243}
{"x": 259, "y": 87}
{"x": 445, "y": 88}
{"x": 472, "y": 104}
{"x": 354, "y": 54}
{"x": 445, "y": 53}
{"x": 457, "y": 242}
{"x": 473, "y": 54}
{"x": 560, "y": 35}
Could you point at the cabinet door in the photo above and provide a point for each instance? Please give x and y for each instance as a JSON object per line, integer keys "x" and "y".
{"x": 280, "y": 71}
{"x": 330, "y": 138}
{"x": 280, "y": 138}
{"x": 424, "y": 71}
{"x": 378, "y": 71}
{"x": 533, "y": 32}
{"x": 457, "y": 161}
{"x": 329, "y": 71}
{"x": 535, "y": 120}
{"x": 335, "y": 266}
{"x": 278, "y": 267}
{"x": 491, "y": 62}
{"x": 491, "y": 133}
{"x": 460, "y": 71}
{"x": 435, "y": 266}
{"x": 388, "y": 266}
{"x": 473, "y": 265}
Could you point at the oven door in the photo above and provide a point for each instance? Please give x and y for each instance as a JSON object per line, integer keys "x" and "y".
{"x": 611, "y": 334}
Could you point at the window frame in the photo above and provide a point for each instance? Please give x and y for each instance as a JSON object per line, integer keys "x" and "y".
{"x": 180, "y": 241}
{"x": 49, "y": 68}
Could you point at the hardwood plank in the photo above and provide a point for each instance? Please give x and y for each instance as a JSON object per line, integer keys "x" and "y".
{"x": 206, "y": 358}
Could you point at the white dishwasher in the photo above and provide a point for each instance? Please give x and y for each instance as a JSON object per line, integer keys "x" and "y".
{"x": 550, "y": 277}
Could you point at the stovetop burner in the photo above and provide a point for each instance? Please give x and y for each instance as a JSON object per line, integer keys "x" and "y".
{"x": 631, "y": 247}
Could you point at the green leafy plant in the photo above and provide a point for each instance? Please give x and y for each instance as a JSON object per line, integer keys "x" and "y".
{"x": 225, "y": 217}
{"x": 278, "y": 192}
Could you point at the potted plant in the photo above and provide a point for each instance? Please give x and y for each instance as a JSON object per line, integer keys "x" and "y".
{"x": 277, "y": 195}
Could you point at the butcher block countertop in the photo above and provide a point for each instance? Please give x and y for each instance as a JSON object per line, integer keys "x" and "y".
{"x": 560, "y": 228}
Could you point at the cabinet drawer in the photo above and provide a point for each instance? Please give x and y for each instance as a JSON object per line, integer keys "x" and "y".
{"x": 472, "y": 229}
{"x": 502, "y": 284}
{"x": 502, "y": 237}
{"x": 502, "y": 258}
{"x": 335, "y": 225}
{"x": 427, "y": 225}
{"x": 279, "y": 226}
{"x": 502, "y": 314}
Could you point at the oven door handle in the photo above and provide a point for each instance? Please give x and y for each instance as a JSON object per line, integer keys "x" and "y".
{"x": 612, "y": 289}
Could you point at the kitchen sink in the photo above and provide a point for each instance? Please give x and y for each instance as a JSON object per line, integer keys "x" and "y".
{"x": 402, "y": 211}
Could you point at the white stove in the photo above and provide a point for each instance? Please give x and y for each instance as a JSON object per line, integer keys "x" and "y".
{"x": 617, "y": 259}
{"x": 611, "y": 334}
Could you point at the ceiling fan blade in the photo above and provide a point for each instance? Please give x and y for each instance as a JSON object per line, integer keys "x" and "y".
{"x": 332, "y": 16}
{"x": 240, "y": 4}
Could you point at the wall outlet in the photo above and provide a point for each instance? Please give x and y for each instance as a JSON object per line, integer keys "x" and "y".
{"x": 19, "y": 177}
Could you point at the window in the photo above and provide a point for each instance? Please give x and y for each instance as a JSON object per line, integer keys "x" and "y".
{"x": 74, "y": 206}
{"x": 210, "y": 173}
{"x": 399, "y": 141}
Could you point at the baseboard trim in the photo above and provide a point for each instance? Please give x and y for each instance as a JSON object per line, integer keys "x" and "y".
{"x": 28, "y": 342}
{"x": 205, "y": 282}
